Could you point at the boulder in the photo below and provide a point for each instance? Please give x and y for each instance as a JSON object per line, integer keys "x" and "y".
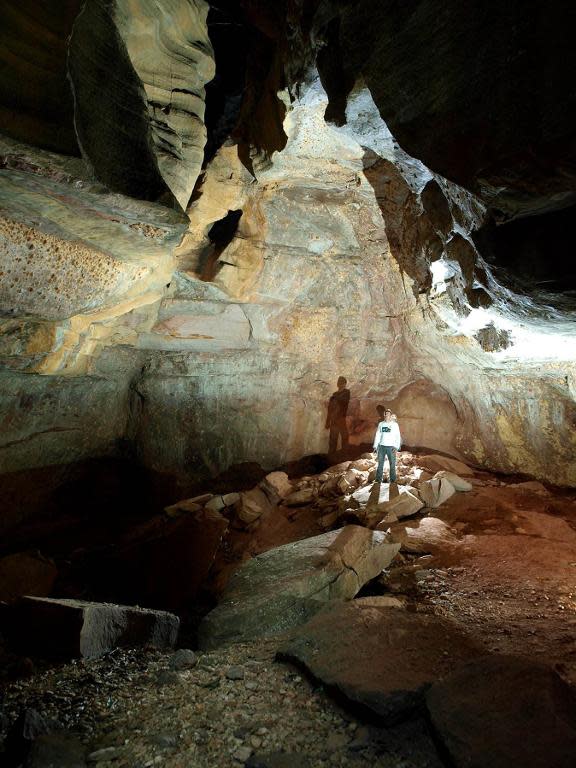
{"x": 338, "y": 469}
{"x": 417, "y": 475}
{"x": 218, "y": 503}
{"x": 26, "y": 573}
{"x": 182, "y": 508}
{"x": 188, "y": 505}
{"x": 435, "y": 463}
{"x": 387, "y": 501}
{"x": 330, "y": 487}
{"x": 436, "y": 491}
{"x": 363, "y": 465}
{"x": 458, "y": 482}
{"x": 300, "y": 498}
{"x": 350, "y": 480}
{"x": 284, "y": 587}
{"x": 502, "y": 711}
{"x": 426, "y": 535}
{"x": 48, "y": 627}
{"x": 276, "y": 485}
{"x": 328, "y": 520}
{"x": 383, "y": 658}
{"x": 252, "y": 505}
{"x": 405, "y": 504}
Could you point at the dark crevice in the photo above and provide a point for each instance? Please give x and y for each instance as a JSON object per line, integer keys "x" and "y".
{"x": 230, "y": 40}
{"x": 337, "y": 82}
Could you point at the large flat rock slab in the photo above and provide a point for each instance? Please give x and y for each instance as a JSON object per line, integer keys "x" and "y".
{"x": 380, "y": 657}
{"x": 284, "y": 587}
{"x": 503, "y": 711}
{"x": 76, "y": 628}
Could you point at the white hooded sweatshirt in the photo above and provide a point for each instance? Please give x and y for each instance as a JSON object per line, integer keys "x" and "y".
{"x": 387, "y": 433}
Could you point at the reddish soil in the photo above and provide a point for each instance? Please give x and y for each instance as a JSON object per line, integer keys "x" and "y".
{"x": 509, "y": 573}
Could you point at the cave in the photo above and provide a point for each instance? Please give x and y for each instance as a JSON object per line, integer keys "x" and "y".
{"x": 287, "y": 384}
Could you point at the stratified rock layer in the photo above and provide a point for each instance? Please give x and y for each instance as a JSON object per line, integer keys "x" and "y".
{"x": 138, "y": 71}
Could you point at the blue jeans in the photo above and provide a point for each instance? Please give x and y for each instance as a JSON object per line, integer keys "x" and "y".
{"x": 383, "y": 451}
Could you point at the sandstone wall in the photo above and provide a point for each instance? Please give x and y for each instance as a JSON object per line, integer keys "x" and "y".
{"x": 126, "y": 321}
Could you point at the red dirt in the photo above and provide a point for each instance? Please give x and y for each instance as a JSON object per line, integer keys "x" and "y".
{"x": 510, "y": 577}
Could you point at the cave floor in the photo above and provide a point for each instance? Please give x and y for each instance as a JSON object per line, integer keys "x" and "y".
{"x": 503, "y": 567}
{"x": 499, "y": 560}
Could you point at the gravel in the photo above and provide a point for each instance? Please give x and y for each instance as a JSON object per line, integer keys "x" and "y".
{"x": 234, "y": 707}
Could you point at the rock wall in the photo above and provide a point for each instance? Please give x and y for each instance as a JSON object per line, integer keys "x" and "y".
{"x": 478, "y": 91}
{"x": 329, "y": 273}
{"x": 141, "y": 67}
{"x": 214, "y": 338}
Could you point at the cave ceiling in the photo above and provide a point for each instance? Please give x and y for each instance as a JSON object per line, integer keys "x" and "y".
{"x": 210, "y": 211}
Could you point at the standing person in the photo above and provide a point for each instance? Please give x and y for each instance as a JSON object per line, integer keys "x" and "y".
{"x": 387, "y": 441}
{"x": 336, "y": 417}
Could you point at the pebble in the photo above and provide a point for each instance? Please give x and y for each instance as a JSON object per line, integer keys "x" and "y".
{"x": 167, "y": 677}
{"x": 235, "y": 673}
{"x": 184, "y": 658}
{"x": 242, "y": 754}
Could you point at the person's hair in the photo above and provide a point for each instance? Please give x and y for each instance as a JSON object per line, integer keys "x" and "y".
{"x": 387, "y": 410}
{"x": 341, "y": 380}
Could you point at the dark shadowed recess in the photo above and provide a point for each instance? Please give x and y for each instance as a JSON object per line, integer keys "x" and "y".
{"x": 260, "y": 48}
{"x": 534, "y": 255}
{"x": 482, "y": 92}
{"x": 230, "y": 38}
{"x": 220, "y": 235}
{"x": 36, "y": 105}
{"x": 60, "y": 507}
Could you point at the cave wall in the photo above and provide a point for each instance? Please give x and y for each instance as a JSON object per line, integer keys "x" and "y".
{"x": 129, "y": 325}
{"x": 481, "y": 92}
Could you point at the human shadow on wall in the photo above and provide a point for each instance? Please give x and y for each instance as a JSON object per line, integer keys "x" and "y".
{"x": 336, "y": 417}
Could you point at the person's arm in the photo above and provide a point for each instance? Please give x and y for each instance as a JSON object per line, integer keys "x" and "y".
{"x": 376, "y": 440}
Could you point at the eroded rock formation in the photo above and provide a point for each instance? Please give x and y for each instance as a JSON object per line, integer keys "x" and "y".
{"x": 196, "y": 342}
